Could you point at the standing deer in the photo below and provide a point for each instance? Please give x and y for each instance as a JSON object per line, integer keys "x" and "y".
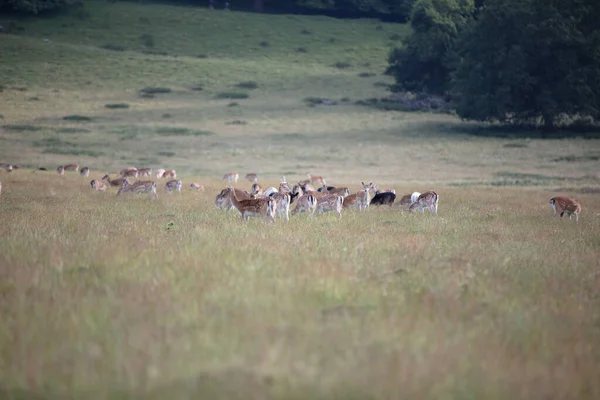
{"x": 231, "y": 177}
{"x": 170, "y": 173}
{"x": 330, "y": 202}
{"x": 97, "y": 185}
{"x": 144, "y": 171}
{"x": 60, "y": 170}
{"x": 139, "y": 187}
{"x": 119, "y": 182}
{"x": 564, "y": 205}
{"x": 306, "y": 202}
{"x": 85, "y": 172}
{"x": 264, "y": 208}
{"x": 129, "y": 172}
{"x": 71, "y": 167}
{"x": 342, "y": 191}
{"x": 159, "y": 173}
{"x": 360, "y": 199}
{"x": 173, "y": 186}
{"x": 252, "y": 178}
{"x": 316, "y": 179}
{"x": 426, "y": 201}
{"x": 222, "y": 200}
{"x": 7, "y": 167}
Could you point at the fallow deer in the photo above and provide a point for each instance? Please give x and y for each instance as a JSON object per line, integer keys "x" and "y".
{"x": 71, "y": 167}
{"x": 119, "y": 182}
{"x": 564, "y": 205}
{"x": 264, "y": 208}
{"x": 405, "y": 201}
{"x": 7, "y": 167}
{"x": 426, "y": 201}
{"x": 159, "y": 173}
{"x": 97, "y": 185}
{"x": 231, "y": 177}
{"x": 0, "y": 188}
{"x": 256, "y": 189}
{"x": 330, "y": 202}
{"x": 316, "y": 179}
{"x": 129, "y": 172}
{"x": 384, "y": 198}
{"x": 342, "y": 191}
{"x": 85, "y": 172}
{"x": 60, "y": 170}
{"x": 139, "y": 187}
{"x": 144, "y": 171}
{"x": 196, "y": 186}
{"x": 222, "y": 200}
{"x": 15, "y": 166}
{"x": 306, "y": 202}
{"x": 252, "y": 178}
{"x": 170, "y": 173}
{"x": 173, "y": 186}
{"x": 360, "y": 199}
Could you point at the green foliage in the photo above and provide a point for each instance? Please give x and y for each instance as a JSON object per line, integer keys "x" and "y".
{"x": 530, "y": 61}
{"x": 425, "y": 63}
{"x": 34, "y": 6}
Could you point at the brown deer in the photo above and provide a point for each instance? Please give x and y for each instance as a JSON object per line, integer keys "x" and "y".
{"x": 360, "y": 199}
{"x": 60, "y": 170}
{"x": 426, "y": 201}
{"x": 129, "y": 172}
{"x": 7, "y": 167}
{"x": 139, "y": 187}
{"x": 264, "y": 208}
{"x": 85, "y": 172}
{"x": 196, "y": 186}
{"x": 71, "y": 167}
{"x": 97, "y": 185}
{"x": 306, "y": 202}
{"x": 330, "y": 202}
{"x": 173, "y": 186}
{"x": 342, "y": 191}
{"x": 231, "y": 177}
{"x": 316, "y": 179}
{"x": 223, "y": 202}
{"x": 256, "y": 189}
{"x": 564, "y": 205}
{"x": 144, "y": 171}
{"x": 252, "y": 178}
{"x": 170, "y": 173}
{"x": 119, "y": 182}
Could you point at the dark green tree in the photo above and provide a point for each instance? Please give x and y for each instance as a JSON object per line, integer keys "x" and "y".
{"x": 530, "y": 61}
{"x": 425, "y": 62}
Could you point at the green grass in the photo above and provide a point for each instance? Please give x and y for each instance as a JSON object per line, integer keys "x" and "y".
{"x": 128, "y": 297}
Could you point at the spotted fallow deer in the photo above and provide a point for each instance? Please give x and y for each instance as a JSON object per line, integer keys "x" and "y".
{"x": 97, "y": 185}
{"x": 264, "y": 208}
{"x": 426, "y": 201}
{"x": 144, "y": 171}
{"x": 119, "y": 182}
{"x": 316, "y": 179}
{"x": 330, "y": 202}
{"x": 173, "y": 186}
{"x": 252, "y": 177}
{"x": 306, "y": 202}
{"x": 231, "y": 177}
{"x": 129, "y": 172}
{"x": 7, "y": 167}
{"x": 71, "y": 167}
{"x": 223, "y": 202}
{"x": 360, "y": 199}
{"x": 564, "y": 205}
{"x": 60, "y": 170}
{"x": 170, "y": 173}
{"x": 342, "y": 191}
{"x": 85, "y": 172}
{"x": 159, "y": 173}
{"x": 139, "y": 187}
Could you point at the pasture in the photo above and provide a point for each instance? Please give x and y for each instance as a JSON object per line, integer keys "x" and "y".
{"x": 130, "y": 297}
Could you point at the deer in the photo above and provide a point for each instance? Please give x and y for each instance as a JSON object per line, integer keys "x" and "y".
{"x": 222, "y": 200}
{"x": 97, "y": 185}
{"x": 426, "y": 201}
{"x": 252, "y": 177}
{"x": 197, "y": 186}
{"x": 71, "y": 167}
{"x": 256, "y": 189}
{"x": 306, "y": 202}
{"x": 264, "y": 208}
{"x": 564, "y": 205}
{"x": 144, "y": 171}
{"x": 231, "y": 177}
{"x": 129, "y": 172}
{"x": 405, "y": 201}
{"x": 170, "y": 173}
{"x": 60, "y": 170}
{"x": 85, "y": 172}
{"x": 159, "y": 173}
{"x": 386, "y": 197}
{"x": 360, "y": 199}
{"x": 342, "y": 191}
{"x": 119, "y": 182}
{"x": 330, "y": 202}
{"x": 308, "y": 189}
{"x": 173, "y": 186}
{"x": 7, "y": 167}
{"x": 0, "y": 188}
{"x": 316, "y": 179}
{"x": 139, "y": 187}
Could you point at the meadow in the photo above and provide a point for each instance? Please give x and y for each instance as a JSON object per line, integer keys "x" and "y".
{"x": 129, "y": 297}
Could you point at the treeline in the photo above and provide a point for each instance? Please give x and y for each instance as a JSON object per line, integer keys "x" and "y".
{"x": 533, "y": 62}
{"x": 395, "y": 10}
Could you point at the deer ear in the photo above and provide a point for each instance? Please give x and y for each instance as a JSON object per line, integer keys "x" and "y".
{"x": 362, "y": 183}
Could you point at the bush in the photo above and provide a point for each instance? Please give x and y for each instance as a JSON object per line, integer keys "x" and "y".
{"x": 155, "y": 90}
{"x": 113, "y": 47}
{"x": 117, "y": 105}
{"x": 77, "y": 118}
{"x": 342, "y": 65}
{"x": 232, "y": 95}
{"x": 147, "y": 40}
{"x": 247, "y": 85}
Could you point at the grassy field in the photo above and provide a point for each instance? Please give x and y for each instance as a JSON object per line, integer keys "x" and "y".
{"x": 127, "y": 297}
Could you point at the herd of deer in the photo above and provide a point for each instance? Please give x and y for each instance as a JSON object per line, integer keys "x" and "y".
{"x": 273, "y": 202}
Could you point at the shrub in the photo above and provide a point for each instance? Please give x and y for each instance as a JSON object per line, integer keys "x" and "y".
{"x": 155, "y": 90}
{"x": 342, "y": 65}
{"x": 232, "y": 95}
{"x": 77, "y": 118}
{"x": 180, "y": 131}
{"x": 366, "y": 74}
{"x": 117, "y": 105}
{"x": 236, "y": 122}
{"x": 247, "y": 85}
{"x": 113, "y": 47}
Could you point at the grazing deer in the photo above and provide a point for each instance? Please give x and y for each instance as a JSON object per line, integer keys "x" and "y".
{"x": 223, "y": 202}
{"x": 306, "y": 202}
{"x": 119, "y": 182}
{"x": 85, "y": 171}
{"x": 139, "y": 187}
{"x": 7, "y": 167}
{"x": 414, "y": 196}
{"x": 342, "y": 191}
{"x": 129, "y": 172}
{"x": 330, "y": 202}
{"x": 231, "y": 177}
{"x": 405, "y": 201}
{"x": 264, "y": 208}
{"x": 173, "y": 186}
{"x": 144, "y": 171}
{"x": 386, "y": 197}
{"x": 316, "y": 179}
{"x": 97, "y": 185}
{"x": 308, "y": 189}
{"x": 564, "y": 205}
{"x": 426, "y": 201}
{"x": 252, "y": 178}
{"x": 170, "y": 173}
{"x": 256, "y": 190}
{"x": 159, "y": 173}
{"x": 60, "y": 170}
{"x": 71, "y": 167}
{"x": 196, "y": 186}
{"x": 360, "y": 199}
